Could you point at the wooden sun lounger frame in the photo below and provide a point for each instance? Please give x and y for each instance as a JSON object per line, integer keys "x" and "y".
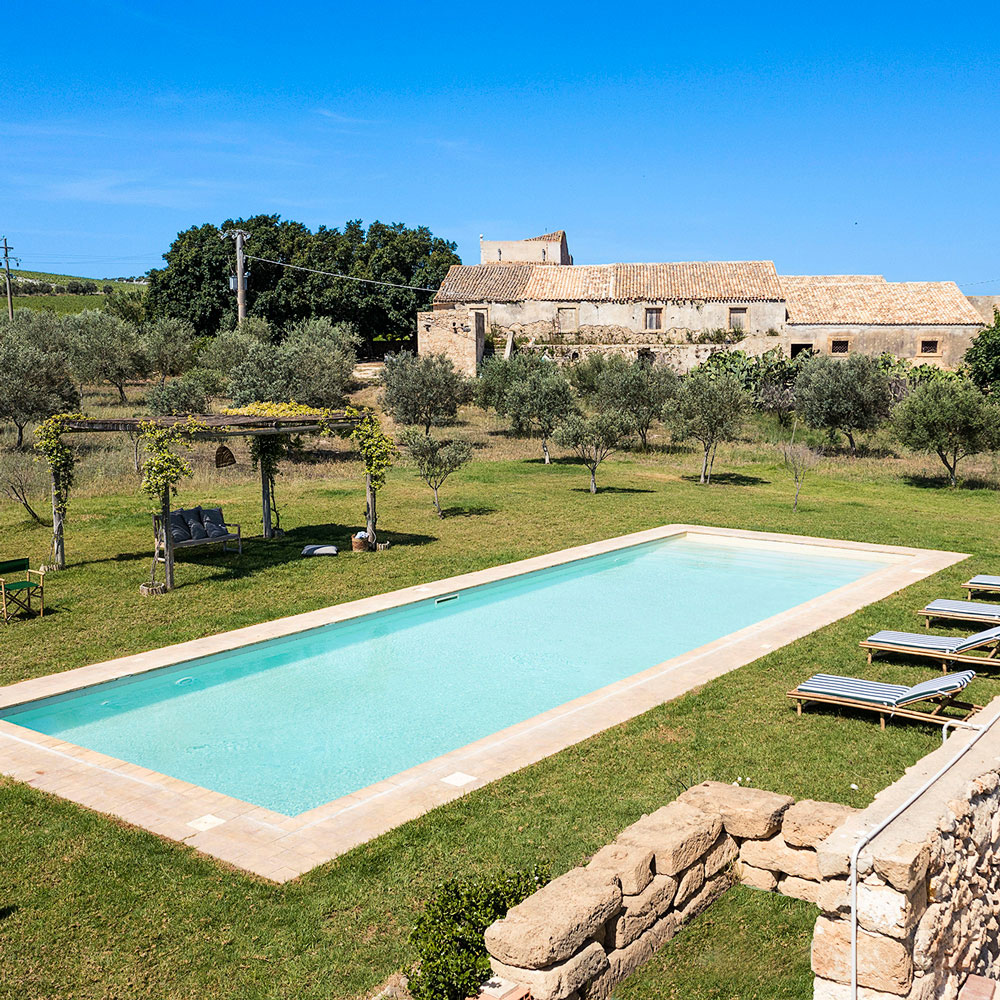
{"x": 957, "y": 616}
{"x": 943, "y": 701}
{"x": 945, "y": 659}
{"x": 980, "y": 588}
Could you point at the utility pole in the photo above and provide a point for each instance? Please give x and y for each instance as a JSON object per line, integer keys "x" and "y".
{"x": 241, "y": 236}
{"x": 10, "y": 291}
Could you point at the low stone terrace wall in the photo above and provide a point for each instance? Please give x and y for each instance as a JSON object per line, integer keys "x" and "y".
{"x": 587, "y": 930}
{"x": 928, "y": 885}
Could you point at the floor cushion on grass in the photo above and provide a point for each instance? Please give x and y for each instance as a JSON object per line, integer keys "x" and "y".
{"x": 320, "y": 550}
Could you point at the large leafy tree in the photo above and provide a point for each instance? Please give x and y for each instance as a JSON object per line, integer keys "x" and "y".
{"x": 194, "y": 284}
{"x": 982, "y": 359}
{"x": 848, "y": 396}
{"x": 948, "y": 417}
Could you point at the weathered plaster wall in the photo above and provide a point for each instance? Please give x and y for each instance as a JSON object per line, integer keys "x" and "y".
{"x": 903, "y": 341}
{"x": 523, "y": 252}
{"x": 985, "y": 305}
{"x": 451, "y": 332}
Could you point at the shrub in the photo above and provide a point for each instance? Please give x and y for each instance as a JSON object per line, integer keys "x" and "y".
{"x": 950, "y": 418}
{"x": 423, "y": 390}
{"x": 448, "y": 935}
{"x": 847, "y": 396}
{"x": 74, "y": 287}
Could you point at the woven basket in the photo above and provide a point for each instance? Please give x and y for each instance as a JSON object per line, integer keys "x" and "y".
{"x": 360, "y": 544}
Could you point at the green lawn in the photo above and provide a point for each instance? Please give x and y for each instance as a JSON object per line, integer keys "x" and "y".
{"x": 92, "y": 908}
{"x": 59, "y": 303}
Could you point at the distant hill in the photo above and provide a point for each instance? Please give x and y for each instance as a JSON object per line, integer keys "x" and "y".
{"x": 61, "y": 279}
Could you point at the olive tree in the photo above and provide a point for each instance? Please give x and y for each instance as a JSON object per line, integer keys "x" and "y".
{"x": 710, "y": 408}
{"x": 168, "y": 347}
{"x": 104, "y": 348}
{"x": 531, "y": 391}
{"x": 949, "y": 417}
{"x": 638, "y": 389}
{"x": 35, "y": 378}
{"x": 435, "y": 460}
{"x": 595, "y": 438}
{"x": 423, "y": 390}
{"x": 849, "y": 395}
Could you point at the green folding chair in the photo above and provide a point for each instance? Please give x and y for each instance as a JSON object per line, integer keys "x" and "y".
{"x": 17, "y": 593}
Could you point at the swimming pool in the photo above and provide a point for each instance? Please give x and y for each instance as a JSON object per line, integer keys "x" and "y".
{"x": 292, "y": 723}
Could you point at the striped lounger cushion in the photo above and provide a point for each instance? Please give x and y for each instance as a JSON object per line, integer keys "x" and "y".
{"x": 935, "y": 643}
{"x": 889, "y": 695}
{"x": 966, "y": 608}
{"x": 985, "y": 581}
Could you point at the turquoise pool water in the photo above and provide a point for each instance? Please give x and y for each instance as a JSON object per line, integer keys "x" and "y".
{"x": 295, "y": 722}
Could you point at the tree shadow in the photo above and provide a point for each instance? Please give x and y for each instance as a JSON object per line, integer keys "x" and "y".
{"x": 925, "y": 482}
{"x": 560, "y": 460}
{"x": 8, "y": 911}
{"x": 731, "y": 479}
{"x": 612, "y": 489}
{"x": 468, "y": 511}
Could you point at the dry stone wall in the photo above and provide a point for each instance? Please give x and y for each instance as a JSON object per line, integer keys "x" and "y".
{"x": 587, "y": 930}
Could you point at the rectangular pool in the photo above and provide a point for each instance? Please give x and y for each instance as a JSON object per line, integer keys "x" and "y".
{"x": 295, "y": 722}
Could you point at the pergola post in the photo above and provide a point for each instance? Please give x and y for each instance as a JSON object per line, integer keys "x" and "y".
{"x": 265, "y": 498}
{"x": 58, "y": 539}
{"x": 168, "y": 540}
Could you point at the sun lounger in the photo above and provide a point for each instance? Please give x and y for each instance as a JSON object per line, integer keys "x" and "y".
{"x": 962, "y": 611}
{"x": 983, "y": 584}
{"x": 947, "y": 649}
{"x": 889, "y": 699}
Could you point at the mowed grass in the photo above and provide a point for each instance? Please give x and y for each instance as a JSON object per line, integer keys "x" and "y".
{"x": 62, "y": 304}
{"x": 92, "y": 908}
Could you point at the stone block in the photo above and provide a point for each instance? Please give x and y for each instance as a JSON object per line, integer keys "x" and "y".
{"x": 883, "y": 963}
{"x": 823, "y": 989}
{"x": 978, "y": 988}
{"x": 690, "y": 882}
{"x": 834, "y": 895}
{"x": 904, "y": 866}
{"x": 808, "y": 822}
{"x": 633, "y": 866}
{"x": 708, "y": 894}
{"x": 885, "y": 911}
{"x": 746, "y": 812}
{"x": 678, "y": 835}
{"x": 622, "y": 962}
{"x": 561, "y": 979}
{"x": 799, "y": 888}
{"x": 642, "y": 911}
{"x": 552, "y": 924}
{"x": 776, "y": 856}
{"x": 756, "y": 878}
{"x": 724, "y": 850}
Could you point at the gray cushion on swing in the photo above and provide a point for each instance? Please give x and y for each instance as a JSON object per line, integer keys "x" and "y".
{"x": 194, "y": 525}
{"x": 214, "y": 523}
{"x": 178, "y": 526}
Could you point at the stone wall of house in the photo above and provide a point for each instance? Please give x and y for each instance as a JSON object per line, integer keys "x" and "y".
{"x": 985, "y": 305}
{"x": 454, "y": 333}
{"x": 904, "y": 341}
{"x": 929, "y": 884}
{"x": 584, "y": 932}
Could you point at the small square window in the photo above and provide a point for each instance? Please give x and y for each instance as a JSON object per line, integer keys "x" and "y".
{"x": 654, "y": 319}
{"x": 737, "y": 319}
{"x": 840, "y": 346}
{"x": 929, "y": 347}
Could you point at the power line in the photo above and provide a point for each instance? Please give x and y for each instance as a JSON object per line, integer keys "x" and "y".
{"x": 985, "y": 281}
{"x": 337, "y": 274}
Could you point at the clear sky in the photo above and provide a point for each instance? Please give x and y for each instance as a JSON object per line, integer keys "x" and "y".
{"x": 831, "y": 138}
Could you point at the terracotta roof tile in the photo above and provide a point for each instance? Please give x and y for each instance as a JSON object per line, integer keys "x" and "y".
{"x": 696, "y": 280}
{"x": 559, "y": 234}
{"x": 860, "y": 300}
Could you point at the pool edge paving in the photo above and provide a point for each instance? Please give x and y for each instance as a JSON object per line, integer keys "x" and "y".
{"x": 279, "y": 847}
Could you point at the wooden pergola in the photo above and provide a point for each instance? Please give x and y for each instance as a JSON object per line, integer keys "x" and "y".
{"x": 214, "y": 427}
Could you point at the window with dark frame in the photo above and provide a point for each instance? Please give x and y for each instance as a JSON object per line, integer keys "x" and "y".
{"x": 654, "y": 319}
{"x": 840, "y": 346}
{"x": 738, "y": 318}
{"x": 929, "y": 347}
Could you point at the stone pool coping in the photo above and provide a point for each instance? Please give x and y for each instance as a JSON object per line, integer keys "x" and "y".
{"x": 279, "y": 847}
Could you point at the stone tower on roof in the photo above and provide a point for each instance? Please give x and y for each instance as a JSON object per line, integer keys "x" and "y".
{"x": 549, "y": 248}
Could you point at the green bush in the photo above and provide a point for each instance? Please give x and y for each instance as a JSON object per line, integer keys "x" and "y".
{"x": 183, "y": 395}
{"x": 448, "y": 935}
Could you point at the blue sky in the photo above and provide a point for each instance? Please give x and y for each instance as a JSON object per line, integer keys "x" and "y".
{"x": 829, "y": 138}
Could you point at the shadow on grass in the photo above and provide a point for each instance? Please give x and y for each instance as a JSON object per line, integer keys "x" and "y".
{"x": 468, "y": 511}
{"x": 612, "y": 489}
{"x": 8, "y": 911}
{"x": 731, "y": 479}
{"x": 941, "y": 483}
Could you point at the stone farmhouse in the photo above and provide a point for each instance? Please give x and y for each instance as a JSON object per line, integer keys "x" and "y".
{"x": 528, "y": 293}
